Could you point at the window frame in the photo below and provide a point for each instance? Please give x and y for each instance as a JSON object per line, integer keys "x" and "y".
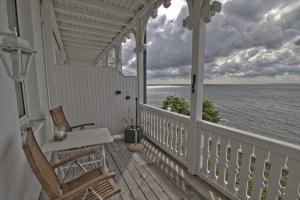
{"x": 21, "y": 98}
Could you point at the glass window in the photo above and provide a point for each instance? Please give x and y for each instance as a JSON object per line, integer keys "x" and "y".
{"x": 12, "y": 15}
{"x": 20, "y": 93}
{"x": 19, "y": 86}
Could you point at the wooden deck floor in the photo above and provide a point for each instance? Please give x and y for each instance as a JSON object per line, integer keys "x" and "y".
{"x": 137, "y": 177}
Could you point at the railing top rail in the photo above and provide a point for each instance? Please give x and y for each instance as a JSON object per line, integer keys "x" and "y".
{"x": 270, "y": 144}
{"x": 173, "y": 115}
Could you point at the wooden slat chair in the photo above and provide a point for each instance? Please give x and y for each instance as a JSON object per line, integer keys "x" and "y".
{"x": 95, "y": 184}
{"x": 59, "y": 119}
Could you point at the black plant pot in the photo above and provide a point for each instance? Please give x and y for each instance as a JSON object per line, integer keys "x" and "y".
{"x": 130, "y": 135}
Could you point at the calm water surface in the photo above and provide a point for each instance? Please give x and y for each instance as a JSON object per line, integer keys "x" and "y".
{"x": 271, "y": 110}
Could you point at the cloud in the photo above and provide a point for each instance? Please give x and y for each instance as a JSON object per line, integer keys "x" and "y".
{"x": 129, "y": 57}
{"x": 247, "y": 39}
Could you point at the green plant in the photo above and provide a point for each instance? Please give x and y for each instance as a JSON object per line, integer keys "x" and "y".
{"x": 181, "y": 106}
{"x": 176, "y": 104}
{"x": 210, "y": 113}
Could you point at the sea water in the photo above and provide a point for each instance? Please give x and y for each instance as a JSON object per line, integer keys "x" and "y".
{"x": 272, "y": 110}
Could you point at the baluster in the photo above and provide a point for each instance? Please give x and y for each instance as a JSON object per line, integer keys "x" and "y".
{"x": 145, "y": 123}
{"x": 292, "y": 190}
{"x": 159, "y": 129}
{"x": 247, "y": 150}
{"x": 223, "y": 160}
{"x": 149, "y": 124}
{"x": 155, "y": 127}
{"x": 273, "y": 187}
{"x": 168, "y": 132}
{"x": 152, "y": 126}
{"x": 164, "y": 131}
{"x": 172, "y": 135}
{"x": 205, "y": 152}
{"x": 258, "y": 174}
{"x": 175, "y": 134}
{"x": 184, "y": 142}
{"x": 180, "y": 138}
{"x": 233, "y": 165}
{"x": 213, "y": 156}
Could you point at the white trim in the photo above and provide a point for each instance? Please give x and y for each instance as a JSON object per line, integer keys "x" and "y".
{"x": 81, "y": 12}
{"x": 107, "y": 7}
{"x": 79, "y": 21}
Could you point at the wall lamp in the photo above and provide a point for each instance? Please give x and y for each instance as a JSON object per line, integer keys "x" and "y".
{"x": 16, "y": 56}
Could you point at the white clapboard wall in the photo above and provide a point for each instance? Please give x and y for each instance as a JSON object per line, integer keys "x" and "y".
{"x": 88, "y": 94}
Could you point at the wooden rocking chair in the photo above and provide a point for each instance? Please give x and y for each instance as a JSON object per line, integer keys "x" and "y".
{"x": 59, "y": 119}
{"x": 95, "y": 184}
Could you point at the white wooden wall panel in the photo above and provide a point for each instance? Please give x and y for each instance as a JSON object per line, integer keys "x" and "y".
{"x": 87, "y": 94}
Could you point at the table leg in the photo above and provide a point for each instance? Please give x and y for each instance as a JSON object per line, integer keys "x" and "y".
{"x": 104, "y": 158}
{"x": 60, "y": 169}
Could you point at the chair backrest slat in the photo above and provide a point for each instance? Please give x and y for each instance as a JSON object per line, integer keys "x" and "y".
{"x": 41, "y": 166}
{"x": 59, "y": 118}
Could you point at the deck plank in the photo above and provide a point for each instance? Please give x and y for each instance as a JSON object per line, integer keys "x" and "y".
{"x": 136, "y": 175}
{"x": 134, "y": 188}
{"x": 149, "y": 193}
{"x": 158, "y": 182}
{"x": 125, "y": 192}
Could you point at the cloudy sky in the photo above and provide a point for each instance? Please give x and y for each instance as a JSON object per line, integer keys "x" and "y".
{"x": 255, "y": 41}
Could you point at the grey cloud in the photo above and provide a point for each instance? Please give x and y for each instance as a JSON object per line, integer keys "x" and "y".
{"x": 247, "y": 39}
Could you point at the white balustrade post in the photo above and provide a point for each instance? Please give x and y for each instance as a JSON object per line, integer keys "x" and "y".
{"x": 202, "y": 11}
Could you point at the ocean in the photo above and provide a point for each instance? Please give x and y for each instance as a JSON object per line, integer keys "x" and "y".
{"x": 272, "y": 110}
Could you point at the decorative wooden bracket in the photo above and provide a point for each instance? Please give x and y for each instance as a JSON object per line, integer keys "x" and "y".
{"x": 140, "y": 48}
{"x": 207, "y": 11}
{"x": 166, "y": 3}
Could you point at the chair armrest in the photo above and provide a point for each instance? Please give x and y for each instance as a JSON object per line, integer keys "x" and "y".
{"x": 81, "y": 188}
{"x": 72, "y": 158}
{"x": 82, "y": 125}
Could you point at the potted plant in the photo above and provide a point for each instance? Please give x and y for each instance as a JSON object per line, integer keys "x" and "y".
{"x": 132, "y": 132}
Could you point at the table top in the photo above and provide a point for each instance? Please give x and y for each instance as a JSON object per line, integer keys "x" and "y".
{"x": 77, "y": 139}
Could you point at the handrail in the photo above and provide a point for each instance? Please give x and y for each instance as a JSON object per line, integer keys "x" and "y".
{"x": 227, "y": 153}
{"x": 270, "y": 144}
{"x": 167, "y": 130}
{"x": 165, "y": 113}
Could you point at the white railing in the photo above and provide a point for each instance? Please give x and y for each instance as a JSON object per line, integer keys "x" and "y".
{"x": 239, "y": 164}
{"x": 247, "y": 166}
{"x": 167, "y": 130}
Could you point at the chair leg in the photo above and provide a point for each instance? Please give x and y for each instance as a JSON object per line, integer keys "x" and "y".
{"x": 80, "y": 166}
{"x": 95, "y": 194}
{"x": 85, "y": 194}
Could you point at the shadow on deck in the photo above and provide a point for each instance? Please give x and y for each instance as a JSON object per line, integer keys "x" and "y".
{"x": 148, "y": 175}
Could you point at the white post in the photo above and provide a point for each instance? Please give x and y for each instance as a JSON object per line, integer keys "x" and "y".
{"x": 202, "y": 12}
{"x": 140, "y": 65}
{"x": 49, "y": 51}
{"x": 198, "y": 47}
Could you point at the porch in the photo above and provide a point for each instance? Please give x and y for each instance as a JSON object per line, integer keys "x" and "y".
{"x": 78, "y": 65}
{"x": 150, "y": 174}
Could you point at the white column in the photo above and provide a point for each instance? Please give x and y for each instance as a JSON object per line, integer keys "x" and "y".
{"x": 140, "y": 65}
{"x": 49, "y": 51}
{"x": 198, "y": 48}
{"x": 202, "y": 12}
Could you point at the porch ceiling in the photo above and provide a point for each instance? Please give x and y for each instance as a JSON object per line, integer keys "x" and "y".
{"x": 88, "y": 28}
